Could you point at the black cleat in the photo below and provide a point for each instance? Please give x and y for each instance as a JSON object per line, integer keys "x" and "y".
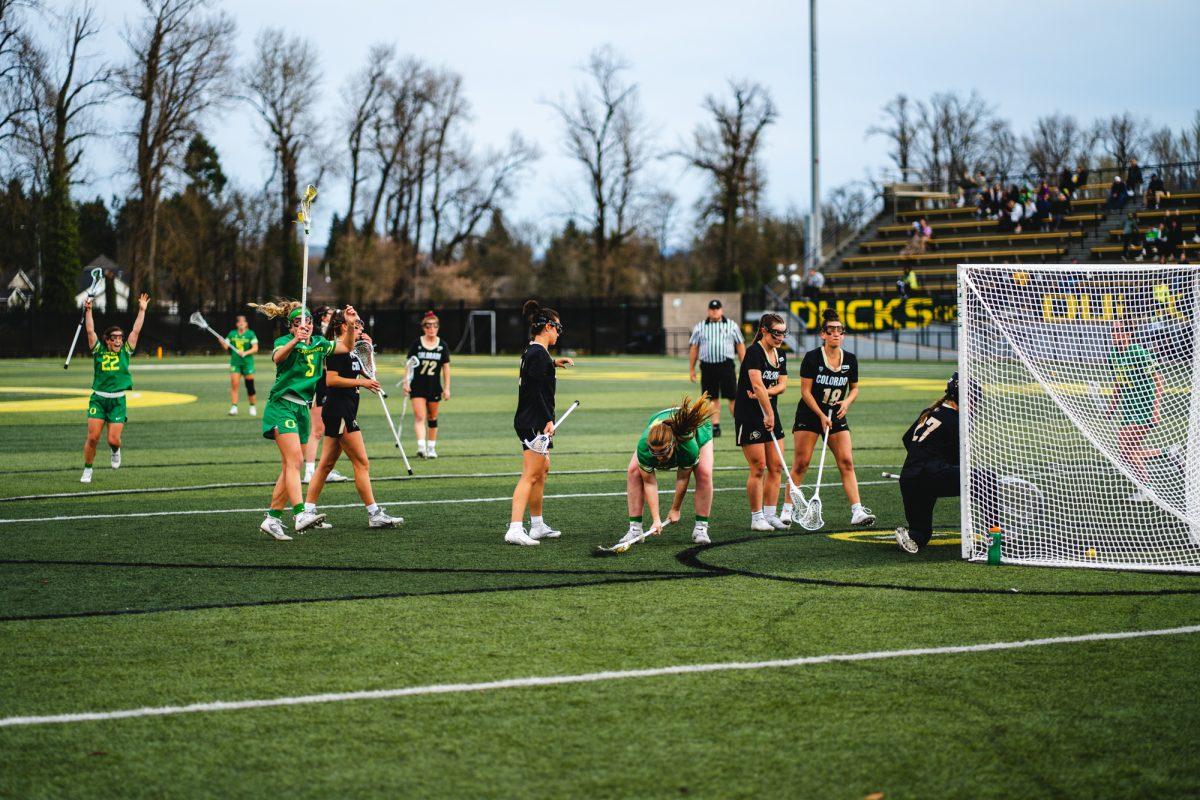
{"x": 716, "y": 431}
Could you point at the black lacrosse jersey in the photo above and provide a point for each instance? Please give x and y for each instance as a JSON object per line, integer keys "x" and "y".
{"x": 341, "y": 401}
{"x": 427, "y": 375}
{"x": 933, "y": 441}
{"x": 746, "y": 408}
{"x": 535, "y": 395}
{"x": 830, "y": 386}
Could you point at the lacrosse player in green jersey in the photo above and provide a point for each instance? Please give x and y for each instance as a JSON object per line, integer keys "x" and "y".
{"x": 242, "y": 345}
{"x": 110, "y": 381}
{"x": 299, "y": 358}
{"x": 677, "y": 438}
{"x": 1136, "y": 401}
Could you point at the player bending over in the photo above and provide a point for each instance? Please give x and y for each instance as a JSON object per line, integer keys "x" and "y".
{"x": 110, "y": 381}
{"x": 243, "y": 344}
{"x": 678, "y": 438}
{"x": 931, "y": 470}
{"x": 299, "y": 358}
{"x": 343, "y": 377}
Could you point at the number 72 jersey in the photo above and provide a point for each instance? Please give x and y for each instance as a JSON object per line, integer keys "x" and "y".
{"x": 297, "y": 375}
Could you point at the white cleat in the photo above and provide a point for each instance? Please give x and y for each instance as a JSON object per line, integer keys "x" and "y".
{"x": 542, "y": 531}
{"x": 777, "y": 524}
{"x": 274, "y": 528}
{"x": 431, "y": 453}
{"x": 233, "y": 411}
{"x": 115, "y": 459}
{"x": 254, "y": 411}
{"x": 904, "y": 541}
{"x": 86, "y": 477}
{"x": 859, "y": 515}
{"x": 380, "y": 519}
{"x": 700, "y": 535}
{"x": 308, "y": 473}
{"x": 785, "y": 516}
{"x": 632, "y": 535}
{"x": 518, "y": 536}
{"x": 308, "y": 519}
{"x": 760, "y": 524}
{"x": 334, "y": 477}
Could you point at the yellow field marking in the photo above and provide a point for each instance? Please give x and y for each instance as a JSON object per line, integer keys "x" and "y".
{"x": 881, "y": 537}
{"x": 78, "y": 399}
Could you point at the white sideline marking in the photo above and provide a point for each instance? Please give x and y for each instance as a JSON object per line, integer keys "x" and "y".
{"x": 588, "y": 677}
{"x": 260, "y": 510}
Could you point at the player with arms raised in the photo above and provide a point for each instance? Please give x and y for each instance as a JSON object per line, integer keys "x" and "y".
{"x": 242, "y": 345}
{"x": 110, "y": 381}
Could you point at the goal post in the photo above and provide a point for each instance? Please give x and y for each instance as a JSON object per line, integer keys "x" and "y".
{"x": 1080, "y": 423}
{"x": 480, "y": 325}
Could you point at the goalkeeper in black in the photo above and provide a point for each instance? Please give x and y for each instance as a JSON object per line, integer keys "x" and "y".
{"x": 931, "y": 469}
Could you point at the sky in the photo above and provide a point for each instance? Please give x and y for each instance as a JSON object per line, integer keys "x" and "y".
{"x": 1088, "y": 58}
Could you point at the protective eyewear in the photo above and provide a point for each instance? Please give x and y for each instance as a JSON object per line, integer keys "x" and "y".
{"x": 778, "y": 332}
{"x": 835, "y": 330}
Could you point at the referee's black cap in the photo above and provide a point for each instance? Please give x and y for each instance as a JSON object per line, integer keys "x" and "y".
{"x": 714, "y": 303}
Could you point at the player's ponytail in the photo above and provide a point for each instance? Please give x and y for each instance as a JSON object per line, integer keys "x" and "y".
{"x": 690, "y": 415}
{"x": 538, "y": 316}
{"x": 766, "y": 321}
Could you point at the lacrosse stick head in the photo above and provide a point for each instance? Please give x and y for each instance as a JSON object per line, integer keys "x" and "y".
{"x": 197, "y": 319}
{"x": 304, "y": 214}
{"x": 812, "y": 519}
{"x": 97, "y": 277}
{"x": 797, "y": 497}
{"x": 411, "y": 364}
{"x": 364, "y": 351}
{"x": 539, "y": 444}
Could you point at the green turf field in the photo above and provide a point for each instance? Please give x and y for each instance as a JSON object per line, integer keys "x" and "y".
{"x": 152, "y": 587}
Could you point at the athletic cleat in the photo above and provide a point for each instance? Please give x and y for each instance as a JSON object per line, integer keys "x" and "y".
{"x": 542, "y": 531}
{"x": 633, "y": 534}
{"x": 274, "y": 528}
{"x": 380, "y": 519}
{"x": 254, "y": 411}
{"x": 760, "y": 524}
{"x": 785, "y": 516}
{"x": 308, "y": 473}
{"x": 518, "y": 536}
{"x": 336, "y": 477}
{"x": 700, "y": 536}
{"x": 308, "y": 519}
{"x": 905, "y": 542}
{"x": 233, "y": 411}
{"x": 324, "y": 526}
{"x": 859, "y": 515}
{"x": 115, "y": 459}
{"x": 86, "y": 477}
{"x": 777, "y": 524}
{"x": 716, "y": 431}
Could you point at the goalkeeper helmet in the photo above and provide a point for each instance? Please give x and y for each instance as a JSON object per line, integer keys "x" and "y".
{"x": 952, "y": 387}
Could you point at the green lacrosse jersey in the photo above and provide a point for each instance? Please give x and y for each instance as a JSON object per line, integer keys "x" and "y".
{"x": 687, "y": 452}
{"x": 110, "y": 371}
{"x": 243, "y": 342}
{"x": 297, "y": 375}
{"x": 1133, "y": 369}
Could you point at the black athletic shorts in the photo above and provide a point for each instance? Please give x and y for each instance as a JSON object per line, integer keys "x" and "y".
{"x": 718, "y": 379}
{"x": 430, "y": 394}
{"x": 339, "y": 417}
{"x": 755, "y": 432}
{"x": 528, "y": 434}
{"x": 807, "y": 421}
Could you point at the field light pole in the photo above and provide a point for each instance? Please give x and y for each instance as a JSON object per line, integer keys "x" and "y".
{"x": 814, "y": 225}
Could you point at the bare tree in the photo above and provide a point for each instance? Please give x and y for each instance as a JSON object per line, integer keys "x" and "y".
{"x": 1052, "y": 144}
{"x": 281, "y": 87}
{"x": 844, "y": 209}
{"x": 180, "y": 67}
{"x": 727, "y": 150}
{"x": 362, "y": 100}
{"x": 1189, "y": 149}
{"x": 900, "y": 129}
{"x": 15, "y": 58}
{"x": 604, "y": 131}
{"x": 1001, "y": 153}
{"x": 390, "y": 136}
{"x": 1121, "y": 136}
{"x": 952, "y": 135}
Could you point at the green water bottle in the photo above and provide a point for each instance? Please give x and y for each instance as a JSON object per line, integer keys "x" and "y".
{"x": 995, "y": 538}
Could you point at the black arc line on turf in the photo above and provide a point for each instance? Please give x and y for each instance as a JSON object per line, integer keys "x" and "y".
{"x": 122, "y": 612}
{"x": 691, "y": 558}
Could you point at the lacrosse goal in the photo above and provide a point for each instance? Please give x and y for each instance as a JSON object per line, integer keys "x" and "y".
{"x": 1080, "y": 420}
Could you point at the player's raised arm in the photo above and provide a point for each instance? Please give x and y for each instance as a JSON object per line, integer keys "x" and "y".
{"x": 143, "y": 302}
{"x": 89, "y": 324}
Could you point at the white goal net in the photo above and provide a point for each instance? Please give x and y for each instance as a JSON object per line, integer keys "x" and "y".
{"x": 1080, "y": 416}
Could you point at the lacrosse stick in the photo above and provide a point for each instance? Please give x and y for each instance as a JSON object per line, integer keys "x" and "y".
{"x": 304, "y": 217}
{"x": 794, "y": 492}
{"x": 541, "y": 442}
{"x": 93, "y": 290}
{"x": 891, "y": 475}
{"x": 197, "y": 319}
{"x": 364, "y": 351}
{"x": 625, "y": 544}
{"x": 410, "y": 365}
{"x": 812, "y": 519}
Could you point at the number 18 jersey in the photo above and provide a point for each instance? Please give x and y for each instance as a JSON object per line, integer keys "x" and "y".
{"x": 297, "y": 375}
{"x": 830, "y": 386}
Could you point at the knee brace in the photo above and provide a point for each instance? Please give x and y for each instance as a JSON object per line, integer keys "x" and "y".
{"x": 250, "y": 386}
{"x": 431, "y": 423}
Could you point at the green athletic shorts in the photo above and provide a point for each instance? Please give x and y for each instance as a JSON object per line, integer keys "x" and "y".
{"x": 1136, "y": 410}
{"x": 285, "y": 417}
{"x": 245, "y": 368}
{"x": 109, "y": 409}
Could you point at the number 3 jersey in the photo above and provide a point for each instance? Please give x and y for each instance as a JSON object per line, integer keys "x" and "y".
{"x": 830, "y": 386}
{"x": 110, "y": 371}
{"x": 297, "y": 375}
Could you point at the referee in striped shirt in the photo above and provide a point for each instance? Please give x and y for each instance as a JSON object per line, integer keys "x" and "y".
{"x": 714, "y": 342}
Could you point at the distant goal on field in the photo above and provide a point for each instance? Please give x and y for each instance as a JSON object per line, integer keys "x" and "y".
{"x": 479, "y": 333}
{"x": 1080, "y": 420}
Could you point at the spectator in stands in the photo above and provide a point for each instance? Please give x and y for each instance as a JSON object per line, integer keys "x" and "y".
{"x": 966, "y": 189}
{"x": 1156, "y": 190}
{"x": 1133, "y": 177}
{"x": 1081, "y": 174}
{"x": 1032, "y": 220}
{"x": 814, "y": 282}
{"x": 983, "y": 204}
{"x": 919, "y": 238}
{"x": 1172, "y": 240}
{"x": 1044, "y": 213}
{"x": 1010, "y": 220}
{"x": 1129, "y": 235}
{"x": 1064, "y": 181}
{"x": 1117, "y": 195}
{"x": 1150, "y": 243}
{"x": 908, "y": 285}
{"x": 1196, "y": 237}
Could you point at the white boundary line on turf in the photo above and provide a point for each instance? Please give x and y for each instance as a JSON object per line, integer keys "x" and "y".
{"x": 260, "y": 510}
{"x": 588, "y": 677}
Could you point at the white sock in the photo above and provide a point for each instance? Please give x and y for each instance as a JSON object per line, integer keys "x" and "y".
{"x": 855, "y": 507}
{"x": 310, "y": 508}
{"x": 756, "y": 515}
{"x": 770, "y": 511}
{"x": 701, "y": 524}
{"x": 787, "y": 508}
{"x": 310, "y": 466}
{"x": 373, "y": 509}
{"x": 516, "y": 526}
{"x": 420, "y": 444}
{"x": 535, "y": 522}
{"x": 635, "y": 526}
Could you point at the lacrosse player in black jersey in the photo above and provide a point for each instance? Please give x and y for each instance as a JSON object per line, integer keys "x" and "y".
{"x": 429, "y": 384}
{"x": 535, "y": 415}
{"x": 762, "y": 379}
{"x": 931, "y": 469}
{"x": 828, "y": 386}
